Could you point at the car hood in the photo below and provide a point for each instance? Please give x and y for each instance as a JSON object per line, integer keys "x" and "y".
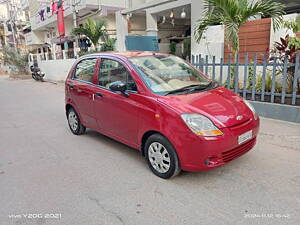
{"x": 222, "y": 106}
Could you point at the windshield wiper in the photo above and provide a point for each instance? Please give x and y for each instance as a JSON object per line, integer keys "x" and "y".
{"x": 191, "y": 88}
{"x": 203, "y": 86}
{"x": 187, "y": 88}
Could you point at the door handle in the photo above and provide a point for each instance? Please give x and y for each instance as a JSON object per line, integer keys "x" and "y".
{"x": 71, "y": 86}
{"x": 99, "y": 95}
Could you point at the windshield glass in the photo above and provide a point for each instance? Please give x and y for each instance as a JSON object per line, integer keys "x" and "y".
{"x": 168, "y": 74}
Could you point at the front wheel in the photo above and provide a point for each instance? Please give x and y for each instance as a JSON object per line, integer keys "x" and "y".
{"x": 161, "y": 157}
{"x": 34, "y": 76}
{"x": 74, "y": 122}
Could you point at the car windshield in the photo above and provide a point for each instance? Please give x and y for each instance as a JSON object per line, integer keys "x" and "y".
{"x": 167, "y": 74}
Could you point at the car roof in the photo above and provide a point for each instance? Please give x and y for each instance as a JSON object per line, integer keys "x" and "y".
{"x": 128, "y": 54}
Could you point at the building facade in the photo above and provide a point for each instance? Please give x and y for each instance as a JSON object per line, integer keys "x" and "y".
{"x": 175, "y": 20}
{"x": 12, "y": 21}
{"x": 44, "y": 36}
{"x": 171, "y": 23}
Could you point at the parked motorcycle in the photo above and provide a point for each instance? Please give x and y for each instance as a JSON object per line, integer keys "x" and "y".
{"x": 36, "y": 73}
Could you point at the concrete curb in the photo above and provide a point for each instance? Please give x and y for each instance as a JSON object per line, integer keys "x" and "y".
{"x": 277, "y": 111}
{"x": 20, "y": 76}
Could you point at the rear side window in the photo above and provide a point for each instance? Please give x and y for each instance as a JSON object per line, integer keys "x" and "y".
{"x": 85, "y": 70}
{"x": 111, "y": 71}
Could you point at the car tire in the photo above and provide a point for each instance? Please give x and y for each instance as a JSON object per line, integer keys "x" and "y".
{"x": 161, "y": 157}
{"x": 74, "y": 122}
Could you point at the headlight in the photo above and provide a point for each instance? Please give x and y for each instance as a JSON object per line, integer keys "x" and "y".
{"x": 251, "y": 108}
{"x": 201, "y": 125}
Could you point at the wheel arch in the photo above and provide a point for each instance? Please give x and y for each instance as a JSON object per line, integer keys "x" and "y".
{"x": 68, "y": 106}
{"x": 146, "y": 136}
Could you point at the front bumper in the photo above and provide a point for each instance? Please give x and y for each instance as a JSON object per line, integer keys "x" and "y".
{"x": 203, "y": 153}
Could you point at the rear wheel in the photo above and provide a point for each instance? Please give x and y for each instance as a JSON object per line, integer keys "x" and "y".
{"x": 74, "y": 122}
{"x": 161, "y": 157}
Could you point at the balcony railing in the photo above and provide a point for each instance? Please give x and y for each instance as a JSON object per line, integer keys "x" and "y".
{"x": 43, "y": 17}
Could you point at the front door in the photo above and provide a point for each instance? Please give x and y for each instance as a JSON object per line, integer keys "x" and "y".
{"x": 115, "y": 113}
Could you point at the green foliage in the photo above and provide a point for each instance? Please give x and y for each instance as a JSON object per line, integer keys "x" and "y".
{"x": 287, "y": 48}
{"x": 292, "y": 25}
{"x": 294, "y": 43}
{"x": 250, "y": 77}
{"x": 93, "y": 30}
{"x": 231, "y": 80}
{"x": 108, "y": 45}
{"x": 233, "y": 14}
{"x": 268, "y": 83}
{"x": 17, "y": 60}
{"x": 172, "y": 47}
{"x": 258, "y": 81}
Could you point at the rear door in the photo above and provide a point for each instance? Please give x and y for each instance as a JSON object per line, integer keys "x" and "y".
{"x": 81, "y": 90}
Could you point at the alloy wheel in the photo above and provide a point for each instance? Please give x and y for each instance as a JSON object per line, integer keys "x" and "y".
{"x": 159, "y": 157}
{"x": 73, "y": 120}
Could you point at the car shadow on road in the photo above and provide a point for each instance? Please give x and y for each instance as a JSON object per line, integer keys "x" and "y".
{"x": 115, "y": 145}
{"x": 134, "y": 156}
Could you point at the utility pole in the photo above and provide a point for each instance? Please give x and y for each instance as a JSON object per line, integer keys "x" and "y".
{"x": 11, "y": 21}
{"x": 75, "y": 3}
{"x": 12, "y": 11}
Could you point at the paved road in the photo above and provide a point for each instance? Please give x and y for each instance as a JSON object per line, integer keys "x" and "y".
{"x": 93, "y": 180}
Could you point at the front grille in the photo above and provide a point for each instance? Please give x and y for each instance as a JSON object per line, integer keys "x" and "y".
{"x": 238, "y": 151}
{"x": 239, "y": 125}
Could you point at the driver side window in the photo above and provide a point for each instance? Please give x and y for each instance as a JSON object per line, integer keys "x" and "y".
{"x": 111, "y": 71}
{"x": 85, "y": 70}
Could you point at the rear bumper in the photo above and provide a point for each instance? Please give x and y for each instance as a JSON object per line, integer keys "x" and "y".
{"x": 199, "y": 153}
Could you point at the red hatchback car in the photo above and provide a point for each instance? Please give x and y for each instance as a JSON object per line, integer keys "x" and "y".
{"x": 161, "y": 105}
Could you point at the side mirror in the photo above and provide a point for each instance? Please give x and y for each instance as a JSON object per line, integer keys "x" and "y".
{"x": 119, "y": 86}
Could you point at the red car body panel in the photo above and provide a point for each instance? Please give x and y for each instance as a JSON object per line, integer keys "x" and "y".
{"x": 128, "y": 119}
{"x": 220, "y": 105}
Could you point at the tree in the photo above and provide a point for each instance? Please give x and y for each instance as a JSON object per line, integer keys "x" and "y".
{"x": 17, "y": 60}
{"x": 233, "y": 14}
{"x": 108, "y": 45}
{"x": 93, "y": 30}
